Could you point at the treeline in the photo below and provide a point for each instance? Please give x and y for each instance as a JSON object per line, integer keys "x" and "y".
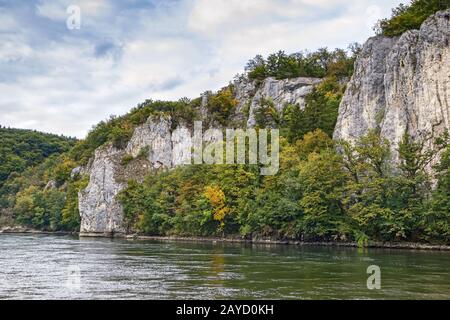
{"x": 322, "y": 105}
{"x": 320, "y": 194}
{"x": 319, "y": 64}
{"x": 410, "y": 17}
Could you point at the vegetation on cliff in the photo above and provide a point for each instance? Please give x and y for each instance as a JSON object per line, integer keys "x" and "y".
{"x": 410, "y": 17}
{"x": 320, "y": 64}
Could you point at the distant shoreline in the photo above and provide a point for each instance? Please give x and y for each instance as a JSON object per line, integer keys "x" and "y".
{"x": 372, "y": 245}
{"x": 257, "y": 241}
{"x": 24, "y": 230}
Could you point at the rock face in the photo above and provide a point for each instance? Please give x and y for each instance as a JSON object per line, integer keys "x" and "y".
{"x": 155, "y": 135}
{"x": 281, "y": 92}
{"x": 101, "y": 214}
{"x": 153, "y": 146}
{"x": 400, "y": 84}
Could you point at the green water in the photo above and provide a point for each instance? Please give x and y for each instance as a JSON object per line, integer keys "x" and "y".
{"x": 51, "y": 267}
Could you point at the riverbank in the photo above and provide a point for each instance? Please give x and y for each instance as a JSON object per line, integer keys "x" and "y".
{"x": 25, "y": 230}
{"x": 256, "y": 241}
{"x": 381, "y": 245}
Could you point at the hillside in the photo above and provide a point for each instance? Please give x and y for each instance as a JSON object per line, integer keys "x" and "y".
{"x": 21, "y": 149}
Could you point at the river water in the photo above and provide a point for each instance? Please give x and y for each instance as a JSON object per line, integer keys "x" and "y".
{"x": 63, "y": 267}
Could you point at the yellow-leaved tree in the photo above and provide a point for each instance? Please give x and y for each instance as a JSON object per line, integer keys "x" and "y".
{"x": 217, "y": 200}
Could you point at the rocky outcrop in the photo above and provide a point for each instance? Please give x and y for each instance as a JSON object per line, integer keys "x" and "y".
{"x": 101, "y": 214}
{"x": 153, "y": 146}
{"x": 280, "y": 92}
{"x": 400, "y": 84}
{"x": 155, "y": 137}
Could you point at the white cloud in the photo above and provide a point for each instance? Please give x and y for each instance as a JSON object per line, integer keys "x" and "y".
{"x": 209, "y": 15}
{"x": 12, "y": 50}
{"x": 56, "y": 80}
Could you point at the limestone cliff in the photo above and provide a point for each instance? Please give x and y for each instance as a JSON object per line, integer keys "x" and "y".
{"x": 400, "y": 84}
{"x": 158, "y": 145}
{"x": 150, "y": 148}
{"x": 280, "y": 92}
{"x": 101, "y": 214}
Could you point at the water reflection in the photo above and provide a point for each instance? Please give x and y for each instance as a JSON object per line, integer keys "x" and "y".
{"x": 38, "y": 267}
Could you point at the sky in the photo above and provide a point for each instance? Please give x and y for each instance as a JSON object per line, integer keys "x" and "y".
{"x": 65, "y": 65}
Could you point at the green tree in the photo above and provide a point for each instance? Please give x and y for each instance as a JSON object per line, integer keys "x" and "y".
{"x": 321, "y": 111}
{"x": 409, "y": 17}
{"x": 323, "y": 182}
{"x": 437, "y": 221}
{"x": 222, "y": 105}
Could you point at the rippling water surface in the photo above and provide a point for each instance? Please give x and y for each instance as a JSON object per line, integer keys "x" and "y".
{"x": 54, "y": 267}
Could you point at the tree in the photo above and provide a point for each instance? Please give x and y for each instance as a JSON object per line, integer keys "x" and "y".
{"x": 437, "y": 221}
{"x": 368, "y": 194}
{"x": 409, "y": 17}
{"x": 70, "y": 215}
{"x": 63, "y": 170}
{"x": 323, "y": 183}
{"x": 320, "y": 64}
{"x": 222, "y": 105}
{"x": 256, "y": 68}
{"x": 321, "y": 111}
{"x": 387, "y": 202}
{"x": 217, "y": 200}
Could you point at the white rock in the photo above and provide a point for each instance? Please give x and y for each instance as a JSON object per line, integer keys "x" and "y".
{"x": 281, "y": 92}
{"x": 100, "y": 212}
{"x": 400, "y": 84}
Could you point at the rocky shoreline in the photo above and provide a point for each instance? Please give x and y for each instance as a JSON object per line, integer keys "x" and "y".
{"x": 256, "y": 241}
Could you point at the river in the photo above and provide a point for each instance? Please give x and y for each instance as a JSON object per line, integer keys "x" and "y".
{"x": 64, "y": 267}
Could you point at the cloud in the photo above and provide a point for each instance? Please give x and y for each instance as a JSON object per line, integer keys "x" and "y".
{"x": 64, "y": 81}
{"x": 57, "y": 10}
{"x": 12, "y": 50}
